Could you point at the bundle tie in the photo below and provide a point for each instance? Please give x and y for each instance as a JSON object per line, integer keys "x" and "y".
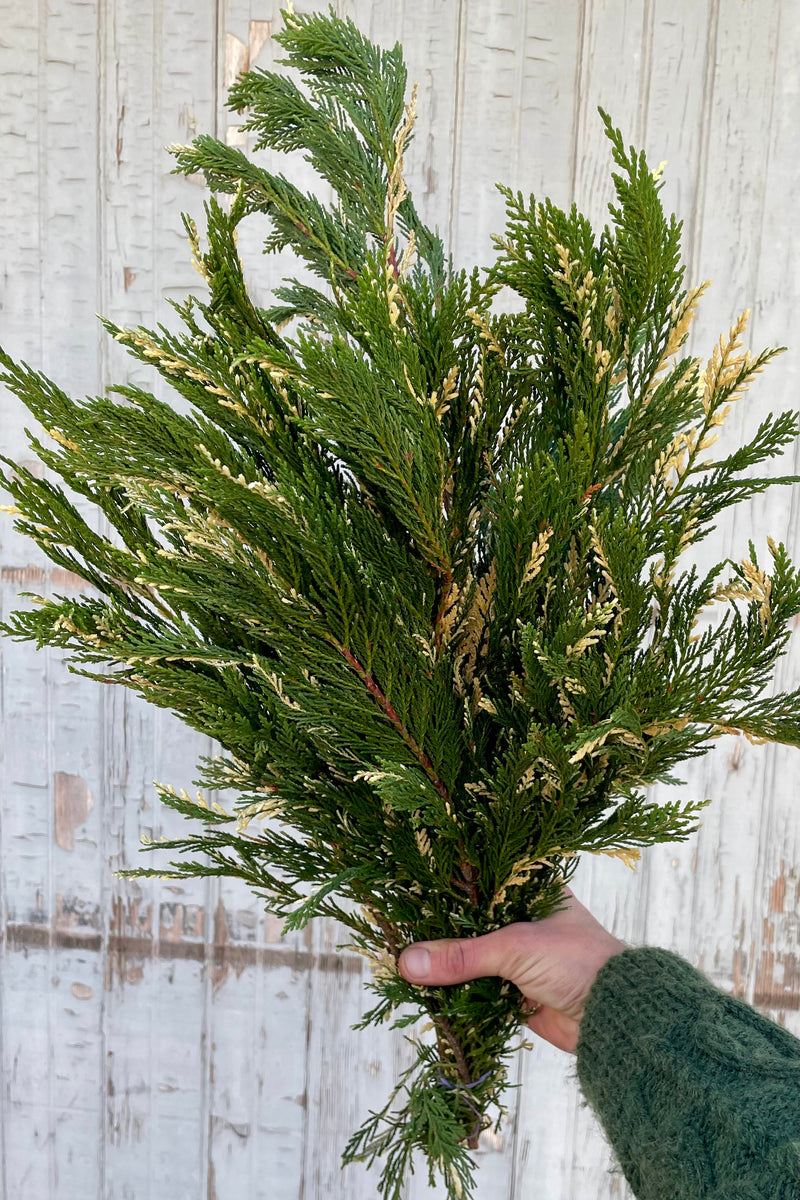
{"x": 456, "y": 1087}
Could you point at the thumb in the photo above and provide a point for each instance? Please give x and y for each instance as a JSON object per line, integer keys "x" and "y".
{"x": 453, "y": 960}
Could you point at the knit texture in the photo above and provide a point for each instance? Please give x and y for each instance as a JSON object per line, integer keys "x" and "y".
{"x": 699, "y": 1095}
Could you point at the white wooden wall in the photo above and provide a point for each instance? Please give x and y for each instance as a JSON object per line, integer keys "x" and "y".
{"x": 162, "y": 1040}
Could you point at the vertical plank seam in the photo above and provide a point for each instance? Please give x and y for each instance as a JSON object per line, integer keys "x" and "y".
{"x": 212, "y": 897}
{"x": 768, "y": 800}
{"x": 207, "y": 1096}
{"x": 257, "y": 1016}
{"x": 704, "y": 141}
{"x": 307, "y": 1105}
{"x": 578, "y": 119}
{"x": 703, "y": 145}
{"x": 522, "y": 18}
{"x": 760, "y": 873}
{"x": 763, "y": 173}
{"x": 52, "y": 1164}
{"x": 105, "y": 773}
{"x": 577, "y": 103}
{"x": 155, "y": 900}
{"x": 4, "y": 1108}
{"x": 644, "y": 872}
{"x": 41, "y": 165}
{"x": 3, "y": 944}
{"x": 217, "y": 37}
{"x": 455, "y": 161}
{"x": 155, "y": 154}
{"x": 645, "y": 73}
{"x": 513, "y": 1120}
{"x": 152, "y": 1094}
{"x": 212, "y": 889}
{"x": 3, "y": 977}
{"x": 512, "y": 1132}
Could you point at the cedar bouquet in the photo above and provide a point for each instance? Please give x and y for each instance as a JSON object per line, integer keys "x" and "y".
{"x": 413, "y": 564}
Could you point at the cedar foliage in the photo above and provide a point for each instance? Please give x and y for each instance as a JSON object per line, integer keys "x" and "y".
{"x": 416, "y": 567}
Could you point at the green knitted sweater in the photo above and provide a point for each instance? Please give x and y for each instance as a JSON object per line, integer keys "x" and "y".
{"x": 699, "y": 1095}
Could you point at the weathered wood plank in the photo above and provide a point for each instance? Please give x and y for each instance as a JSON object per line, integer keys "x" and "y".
{"x": 765, "y": 968}
{"x": 257, "y": 1092}
{"x": 50, "y": 832}
{"x": 258, "y": 1085}
{"x": 159, "y": 72}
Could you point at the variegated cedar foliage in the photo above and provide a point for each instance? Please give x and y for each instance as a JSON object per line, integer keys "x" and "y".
{"x": 414, "y": 564}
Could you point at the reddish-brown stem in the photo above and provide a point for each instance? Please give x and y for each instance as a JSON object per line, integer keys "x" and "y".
{"x": 306, "y": 232}
{"x": 437, "y": 637}
{"x": 389, "y": 932}
{"x": 445, "y": 1030}
{"x": 387, "y": 707}
{"x": 469, "y": 874}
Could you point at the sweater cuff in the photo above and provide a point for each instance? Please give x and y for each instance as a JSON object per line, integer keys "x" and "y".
{"x": 694, "y": 1088}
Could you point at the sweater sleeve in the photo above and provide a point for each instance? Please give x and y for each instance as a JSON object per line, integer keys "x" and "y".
{"x": 699, "y": 1095}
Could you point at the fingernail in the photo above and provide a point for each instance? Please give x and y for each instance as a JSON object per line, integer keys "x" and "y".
{"x": 416, "y": 962}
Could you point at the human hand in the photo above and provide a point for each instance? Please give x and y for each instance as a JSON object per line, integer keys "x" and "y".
{"x": 553, "y": 962}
